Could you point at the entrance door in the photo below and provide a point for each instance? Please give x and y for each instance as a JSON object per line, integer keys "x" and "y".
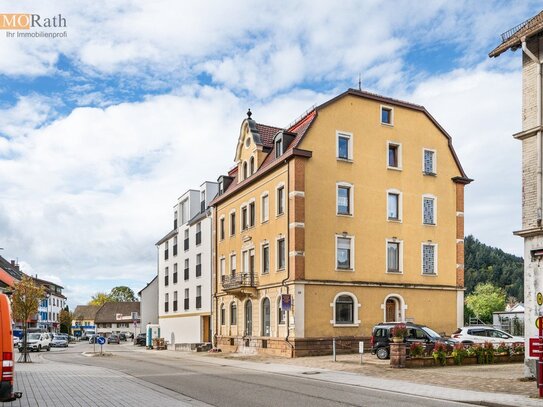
{"x": 248, "y": 318}
{"x": 266, "y": 317}
{"x": 391, "y": 310}
{"x": 205, "y": 329}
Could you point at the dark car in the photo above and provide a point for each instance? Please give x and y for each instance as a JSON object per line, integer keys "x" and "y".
{"x": 140, "y": 339}
{"x": 382, "y": 334}
{"x": 113, "y": 339}
{"x": 122, "y": 336}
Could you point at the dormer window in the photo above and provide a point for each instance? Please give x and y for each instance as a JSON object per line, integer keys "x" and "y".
{"x": 278, "y": 148}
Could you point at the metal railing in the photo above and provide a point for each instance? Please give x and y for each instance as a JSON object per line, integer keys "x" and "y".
{"x": 512, "y": 31}
{"x": 239, "y": 280}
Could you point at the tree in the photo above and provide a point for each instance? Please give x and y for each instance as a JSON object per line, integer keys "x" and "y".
{"x": 122, "y": 294}
{"x": 25, "y": 301}
{"x": 486, "y": 299}
{"x": 99, "y": 299}
{"x": 66, "y": 317}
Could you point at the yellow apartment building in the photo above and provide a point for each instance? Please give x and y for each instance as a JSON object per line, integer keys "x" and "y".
{"x": 352, "y": 216}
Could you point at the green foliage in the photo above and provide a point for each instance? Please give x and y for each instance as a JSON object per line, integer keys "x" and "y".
{"x": 459, "y": 353}
{"x": 416, "y": 349}
{"x": 399, "y": 331}
{"x": 122, "y": 294}
{"x": 485, "y": 300}
{"x": 440, "y": 353}
{"x": 99, "y": 299}
{"x": 485, "y": 264}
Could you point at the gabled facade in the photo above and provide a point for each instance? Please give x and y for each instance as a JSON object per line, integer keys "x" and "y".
{"x": 184, "y": 271}
{"x": 116, "y": 317}
{"x": 49, "y": 308}
{"x": 352, "y": 216}
{"x": 149, "y": 304}
{"x": 83, "y": 321}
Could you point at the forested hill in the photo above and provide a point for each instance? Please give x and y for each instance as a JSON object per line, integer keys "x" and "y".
{"x": 489, "y": 264}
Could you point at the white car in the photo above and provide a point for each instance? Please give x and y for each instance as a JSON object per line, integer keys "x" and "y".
{"x": 16, "y": 341}
{"x": 36, "y": 341}
{"x": 482, "y": 334}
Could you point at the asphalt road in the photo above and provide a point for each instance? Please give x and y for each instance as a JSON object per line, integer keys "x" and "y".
{"x": 222, "y": 385}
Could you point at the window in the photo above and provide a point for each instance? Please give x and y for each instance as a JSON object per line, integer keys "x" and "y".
{"x": 198, "y": 265}
{"x": 429, "y": 261}
{"x": 187, "y": 303}
{"x": 251, "y": 214}
{"x": 175, "y": 220}
{"x": 344, "y": 253}
{"x": 166, "y": 276}
{"x": 175, "y": 273}
{"x": 223, "y": 268}
{"x": 222, "y": 228}
{"x": 175, "y": 245}
{"x": 278, "y": 148}
{"x": 280, "y": 254}
{"x": 166, "y": 302}
{"x": 244, "y": 169}
{"x": 233, "y": 314}
{"x": 175, "y": 300}
{"x": 344, "y": 306}
{"x": 184, "y": 211}
{"x": 198, "y": 296}
{"x": 394, "y": 157}
{"x": 233, "y": 264}
{"x": 223, "y": 315}
{"x": 186, "y": 270}
{"x": 245, "y": 262}
{"x": 393, "y": 257}
{"x": 232, "y": 223}
{"x": 428, "y": 210}
{"x": 280, "y": 200}
{"x": 244, "y": 218}
{"x": 393, "y": 206}
{"x": 429, "y": 162}
{"x": 281, "y": 314}
{"x": 198, "y": 233}
{"x": 186, "y": 243}
{"x": 265, "y": 208}
{"x": 252, "y": 165}
{"x": 265, "y": 258}
{"x": 344, "y": 200}
{"x": 344, "y": 146}
{"x": 386, "y": 115}
{"x": 202, "y": 201}
{"x": 166, "y": 250}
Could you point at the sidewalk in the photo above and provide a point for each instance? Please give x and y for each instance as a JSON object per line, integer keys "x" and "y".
{"x": 48, "y": 383}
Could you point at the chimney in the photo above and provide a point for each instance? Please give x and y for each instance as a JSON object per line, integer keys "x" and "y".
{"x": 14, "y": 265}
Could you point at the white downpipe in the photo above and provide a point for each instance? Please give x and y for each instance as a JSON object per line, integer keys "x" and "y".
{"x": 538, "y": 137}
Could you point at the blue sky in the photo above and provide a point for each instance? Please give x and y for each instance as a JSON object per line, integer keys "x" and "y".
{"x": 98, "y": 130}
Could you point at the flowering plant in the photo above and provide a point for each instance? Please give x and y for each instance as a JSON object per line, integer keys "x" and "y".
{"x": 459, "y": 353}
{"x": 416, "y": 349}
{"x": 399, "y": 331}
{"x": 440, "y": 353}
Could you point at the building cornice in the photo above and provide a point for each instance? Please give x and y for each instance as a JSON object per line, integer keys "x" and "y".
{"x": 521, "y": 135}
{"x": 529, "y": 232}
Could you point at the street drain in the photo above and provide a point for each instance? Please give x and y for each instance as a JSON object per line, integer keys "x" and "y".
{"x": 310, "y": 373}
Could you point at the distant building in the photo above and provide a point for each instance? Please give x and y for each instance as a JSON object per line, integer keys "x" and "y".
{"x": 83, "y": 321}
{"x": 9, "y": 273}
{"x": 184, "y": 271}
{"x": 511, "y": 320}
{"x": 149, "y": 304}
{"x": 115, "y": 317}
{"x": 50, "y": 307}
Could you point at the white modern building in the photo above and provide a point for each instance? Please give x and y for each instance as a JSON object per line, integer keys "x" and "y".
{"x": 49, "y": 308}
{"x": 149, "y": 304}
{"x": 184, "y": 271}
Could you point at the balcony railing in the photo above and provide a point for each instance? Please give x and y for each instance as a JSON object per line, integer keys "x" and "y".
{"x": 236, "y": 281}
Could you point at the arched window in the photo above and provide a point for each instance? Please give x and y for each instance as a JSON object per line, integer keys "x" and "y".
{"x": 248, "y": 318}
{"x": 233, "y": 313}
{"x": 223, "y": 316}
{"x": 344, "y": 309}
{"x": 244, "y": 169}
{"x": 266, "y": 317}
{"x": 252, "y": 165}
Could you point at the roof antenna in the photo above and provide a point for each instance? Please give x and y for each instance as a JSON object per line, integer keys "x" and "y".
{"x": 359, "y": 82}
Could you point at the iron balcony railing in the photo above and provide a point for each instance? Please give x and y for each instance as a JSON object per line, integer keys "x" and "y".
{"x": 509, "y": 33}
{"x": 239, "y": 280}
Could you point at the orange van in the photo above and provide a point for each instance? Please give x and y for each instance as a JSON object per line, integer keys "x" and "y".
{"x": 6, "y": 351}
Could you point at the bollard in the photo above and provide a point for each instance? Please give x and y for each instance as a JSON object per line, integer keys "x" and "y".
{"x": 334, "y": 348}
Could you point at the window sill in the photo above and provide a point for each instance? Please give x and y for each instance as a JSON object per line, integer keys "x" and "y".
{"x": 345, "y": 215}
{"x": 394, "y": 272}
{"x": 394, "y": 168}
{"x": 345, "y": 325}
{"x": 429, "y": 224}
{"x": 281, "y": 269}
{"x": 387, "y": 124}
{"x": 342, "y": 270}
{"x": 279, "y": 214}
{"x": 394, "y": 220}
{"x": 430, "y": 174}
{"x": 265, "y": 221}
{"x": 267, "y": 273}
{"x": 345, "y": 160}
{"x": 430, "y": 274}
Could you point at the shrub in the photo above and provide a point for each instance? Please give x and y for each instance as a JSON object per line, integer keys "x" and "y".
{"x": 440, "y": 353}
{"x": 488, "y": 353}
{"x": 518, "y": 347}
{"x": 399, "y": 331}
{"x": 502, "y": 348}
{"x": 459, "y": 353}
{"x": 416, "y": 349}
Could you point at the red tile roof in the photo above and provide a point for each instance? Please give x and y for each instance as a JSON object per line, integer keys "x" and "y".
{"x": 267, "y": 133}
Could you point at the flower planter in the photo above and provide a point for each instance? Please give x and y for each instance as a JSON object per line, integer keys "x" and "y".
{"x": 468, "y": 360}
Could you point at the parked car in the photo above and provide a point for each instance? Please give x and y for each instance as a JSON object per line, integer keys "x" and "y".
{"x": 114, "y": 338}
{"x": 140, "y": 339}
{"x": 382, "y": 333}
{"x": 122, "y": 336}
{"x": 129, "y": 335}
{"x": 59, "y": 341}
{"x": 36, "y": 342}
{"x": 482, "y": 334}
{"x": 16, "y": 341}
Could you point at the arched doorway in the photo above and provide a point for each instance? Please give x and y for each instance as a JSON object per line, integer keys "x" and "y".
{"x": 248, "y": 318}
{"x": 266, "y": 317}
{"x": 393, "y": 310}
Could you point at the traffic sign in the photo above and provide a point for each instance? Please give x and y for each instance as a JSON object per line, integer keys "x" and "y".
{"x": 537, "y": 323}
{"x": 100, "y": 340}
{"x": 539, "y": 299}
{"x": 534, "y": 348}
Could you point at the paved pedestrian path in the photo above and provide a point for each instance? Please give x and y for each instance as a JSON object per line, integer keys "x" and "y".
{"x": 46, "y": 383}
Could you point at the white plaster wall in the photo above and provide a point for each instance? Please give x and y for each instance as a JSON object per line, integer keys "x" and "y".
{"x": 184, "y": 329}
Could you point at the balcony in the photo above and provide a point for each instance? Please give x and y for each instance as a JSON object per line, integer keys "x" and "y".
{"x": 240, "y": 284}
